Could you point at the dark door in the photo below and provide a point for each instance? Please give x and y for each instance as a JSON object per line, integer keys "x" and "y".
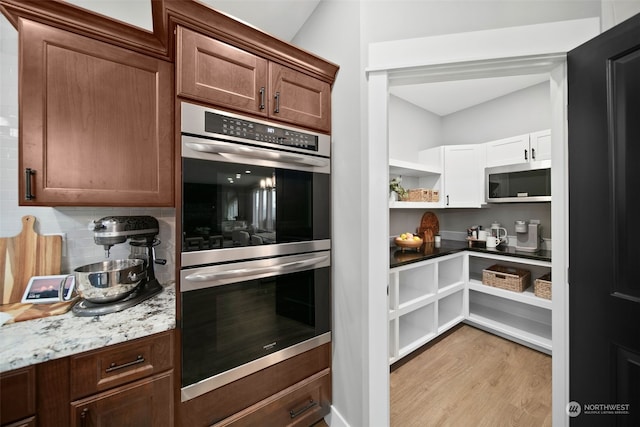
{"x": 604, "y": 210}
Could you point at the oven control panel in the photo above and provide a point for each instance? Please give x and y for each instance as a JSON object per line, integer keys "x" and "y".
{"x": 246, "y": 129}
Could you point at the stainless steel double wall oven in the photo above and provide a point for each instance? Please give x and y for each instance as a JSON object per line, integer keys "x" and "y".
{"x": 255, "y": 281}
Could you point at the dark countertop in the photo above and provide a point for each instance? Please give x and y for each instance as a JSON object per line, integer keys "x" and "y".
{"x": 429, "y": 250}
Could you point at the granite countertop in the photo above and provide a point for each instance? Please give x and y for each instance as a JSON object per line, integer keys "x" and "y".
{"x": 399, "y": 257}
{"x": 35, "y": 341}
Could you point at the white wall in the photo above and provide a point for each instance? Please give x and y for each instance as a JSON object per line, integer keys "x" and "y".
{"x": 333, "y": 32}
{"x": 524, "y": 111}
{"x": 411, "y": 129}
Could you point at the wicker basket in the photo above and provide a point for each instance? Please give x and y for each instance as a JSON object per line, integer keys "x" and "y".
{"x": 509, "y": 278}
{"x": 542, "y": 286}
{"x": 421, "y": 195}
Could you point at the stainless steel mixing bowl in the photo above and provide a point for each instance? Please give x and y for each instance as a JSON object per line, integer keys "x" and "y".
{"x": 109, "y": 281}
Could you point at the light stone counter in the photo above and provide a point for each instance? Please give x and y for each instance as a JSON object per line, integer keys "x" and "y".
{"x": 35, "y": 341}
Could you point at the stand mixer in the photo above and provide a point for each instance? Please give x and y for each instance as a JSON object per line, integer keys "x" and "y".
{"x": 114, "y": 285}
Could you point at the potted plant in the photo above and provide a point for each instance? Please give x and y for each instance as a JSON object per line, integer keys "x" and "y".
{"x": 396, "y": 191}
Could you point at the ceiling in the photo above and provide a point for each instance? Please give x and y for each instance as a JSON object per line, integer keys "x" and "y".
{"x": 444, "y": 98}
{"x": 280, "y": 18}
{"x": 284, "y": 18}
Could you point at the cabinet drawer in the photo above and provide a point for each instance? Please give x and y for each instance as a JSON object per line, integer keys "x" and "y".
{"x": 17, "y": 395}
{"x": 102, "y": 369}
{"x": 28, "y": 422}
{"x": 302, "y": 404}
{"x": 144, "y": 403}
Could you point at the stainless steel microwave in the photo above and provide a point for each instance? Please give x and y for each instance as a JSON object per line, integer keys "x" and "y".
{"x": 526, "y": 182}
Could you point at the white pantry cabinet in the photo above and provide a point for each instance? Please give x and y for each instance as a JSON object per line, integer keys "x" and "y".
{"x": 425, "y": 300}
{"x": 527, "y": 148}
{"x": 463, "y": 176}
{"x": 416, "y": 175}
{"x": 429, "y": 297}
{"x": 519, "y": 316}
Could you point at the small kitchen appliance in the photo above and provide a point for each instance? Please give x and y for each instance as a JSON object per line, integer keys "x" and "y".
{"x": 499, "y": 232}
{"x": 528, "y": 235}
{"x": 114, "y": 285}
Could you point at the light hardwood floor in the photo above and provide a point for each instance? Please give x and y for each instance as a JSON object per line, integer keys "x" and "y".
{"x": 469, "y": 377}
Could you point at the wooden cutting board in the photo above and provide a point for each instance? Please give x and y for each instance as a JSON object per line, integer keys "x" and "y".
{"x": 429, "y": 226}
{"x": 21, "y": 312}
{"x": 25, "y": 255}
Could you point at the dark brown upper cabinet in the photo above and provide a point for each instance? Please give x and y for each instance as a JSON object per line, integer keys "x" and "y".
{"x": 96, "y": 122}
{"x": 214, "y": 72}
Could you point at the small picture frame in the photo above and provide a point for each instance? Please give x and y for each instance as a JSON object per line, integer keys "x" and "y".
{"x": 45, "y": 289}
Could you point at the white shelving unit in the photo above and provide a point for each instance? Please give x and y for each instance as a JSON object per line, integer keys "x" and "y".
{"x": 416, "y": 175}
{"x": 428, "y": 298}
{"x": 425, "y": 299}
{"x": 519, "y": 316}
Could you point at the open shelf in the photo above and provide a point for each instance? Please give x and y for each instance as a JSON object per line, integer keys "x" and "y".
{"x": 415, "y": 284}
{"x": 526, "y": 297}
{"x": 416, "y": 328}
{"x": 450, "y": 310}
{"x": 525, "y": 323}
{"x": 404, "y": 168}
{"x": 450, "y": 272}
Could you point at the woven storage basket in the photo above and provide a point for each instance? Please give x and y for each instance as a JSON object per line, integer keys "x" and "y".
{"x": 418, "y": 195}
{"x": 542, "y": 286}
{"x": 509, "y": 278}
{"x": 435, "y": 196}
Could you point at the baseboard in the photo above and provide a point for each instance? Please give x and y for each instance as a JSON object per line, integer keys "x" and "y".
{"x": 334, "y": 419}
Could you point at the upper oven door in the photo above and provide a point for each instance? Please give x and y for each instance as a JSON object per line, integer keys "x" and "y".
{"x": 240, "y": 201}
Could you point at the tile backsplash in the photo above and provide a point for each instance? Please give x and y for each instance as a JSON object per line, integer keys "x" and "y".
{"x": 72, "y": 223}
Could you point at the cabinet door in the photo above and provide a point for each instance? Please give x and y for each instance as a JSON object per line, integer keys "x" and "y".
{"x": 508, "y": 151}
{"x": 96, "y": 122}
{"x": 212, "y": 71}
{"x": 541, "y": 145}
{"x": 462, "y": 169}
{"x": 17, "y": 395}
{"x": 300, "y": 99}
{"x": 146, "y": 403}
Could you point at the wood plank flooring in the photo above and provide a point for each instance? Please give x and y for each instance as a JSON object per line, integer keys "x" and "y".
{"x": 469, "y": 377}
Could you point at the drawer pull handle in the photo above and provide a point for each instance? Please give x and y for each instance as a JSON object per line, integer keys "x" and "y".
{"x": 28, "y": 174}
{"x": 308, "y": 406}
{"x": 83, "y": 417}
{"x": 277, "y": 108}
{"x": 115, "y": 367}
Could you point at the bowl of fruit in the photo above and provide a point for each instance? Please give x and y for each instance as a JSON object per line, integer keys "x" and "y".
{"x": 408, "y": 241}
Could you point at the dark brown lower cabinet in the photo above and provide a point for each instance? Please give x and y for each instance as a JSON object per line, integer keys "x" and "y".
{"x": 126, "y": 384}
{"x": 294, "y": 392}
{"x": 144, "y": 403}
{"x": 28, "y": 422}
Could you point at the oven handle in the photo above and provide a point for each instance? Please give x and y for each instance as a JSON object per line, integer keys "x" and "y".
{"x": 221, "y": 147}
{"x": 250, "y": 272}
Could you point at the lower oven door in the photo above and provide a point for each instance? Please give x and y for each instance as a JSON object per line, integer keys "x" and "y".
{"x": 239, "y": 318}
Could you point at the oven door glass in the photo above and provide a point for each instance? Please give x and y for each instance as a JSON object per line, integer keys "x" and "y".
{"x": 227, "y": 326}
{"x": 230, "y": 205}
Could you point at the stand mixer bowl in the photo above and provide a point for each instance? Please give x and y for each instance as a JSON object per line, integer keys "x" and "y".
{"x": 110, "y": 280}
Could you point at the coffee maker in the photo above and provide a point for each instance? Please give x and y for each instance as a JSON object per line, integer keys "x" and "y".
{"x": 528, "y": 235}
{"x": 141, "y": 232}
